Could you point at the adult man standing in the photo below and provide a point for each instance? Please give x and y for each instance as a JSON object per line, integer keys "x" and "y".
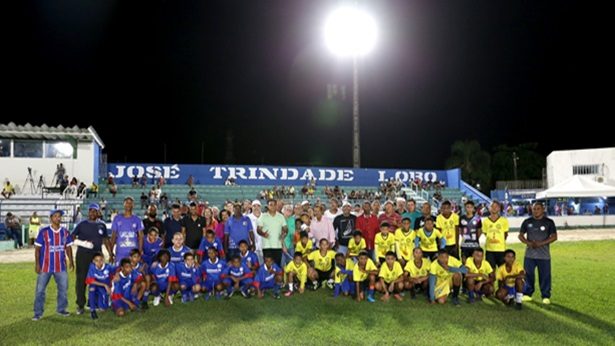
{"x": 321, "y": 227}
{"x": 272, "y": 227}
{"x": 419, "y": 222}
{"x": 193, "y": 227}
{"x": 237, "y": 228}
{"x": 89, "y": 236}
{"x": 495, "y": 228}
{"x": 172, "y": 224}
{"x": 126, "y": 232}
{"x": 254, "y": 216}
{"x": 537, "y": 232}
{"x": 13, "y": 224}
{"x": 369, "y": 226}
{"x": 151, "y": 221}
{"x": 411, "y": 213}
{"x": 52, "y": 246}
{"x": 344, "y": 225}
{"x": 333, "y": 210}
{"x": 390, "y": 216}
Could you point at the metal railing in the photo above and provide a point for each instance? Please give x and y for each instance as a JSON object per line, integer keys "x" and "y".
{"x": 519, "y": 184}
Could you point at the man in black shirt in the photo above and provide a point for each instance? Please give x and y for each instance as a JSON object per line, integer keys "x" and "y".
{"x": 151, "y": 221}
{"x": 344, "y": 225}
{"x": 89, "y": 236}
{"x": 425, "y": 212}
{"x": 193, "y": 227}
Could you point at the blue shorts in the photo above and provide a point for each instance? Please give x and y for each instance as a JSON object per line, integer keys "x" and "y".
{"x": 244, "y": 282}
{"x": 120, "y": 304}
{"x": 347, "y": 286}
{"x": 265, "y": 285}
{"x": 211, "y": 283}
{"x": 188, "y": 284}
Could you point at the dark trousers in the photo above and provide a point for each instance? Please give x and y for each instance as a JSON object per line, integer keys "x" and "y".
{"x": 453, "y": 250}
{"x": 16, "y": 235}
{"x": 544, "y": 276}
{"x": 276, "y": 254}
{"x": 495, "y": 258}
{"x": 83, "y": 261}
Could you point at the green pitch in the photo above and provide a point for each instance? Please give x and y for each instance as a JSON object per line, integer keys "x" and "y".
{"x": 583, "y": 312}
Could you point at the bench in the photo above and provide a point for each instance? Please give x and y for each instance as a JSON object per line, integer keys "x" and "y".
{"x": 51, "y": 189}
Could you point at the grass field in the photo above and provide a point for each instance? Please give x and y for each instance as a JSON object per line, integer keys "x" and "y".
{"x": 582, "y": 312}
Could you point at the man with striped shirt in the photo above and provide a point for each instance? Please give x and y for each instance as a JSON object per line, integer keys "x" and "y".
{"x": 52, "y": 246}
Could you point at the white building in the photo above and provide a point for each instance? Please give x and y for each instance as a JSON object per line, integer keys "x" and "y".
{"x": 598, "y": 164}
{"x": 42, "y": 149}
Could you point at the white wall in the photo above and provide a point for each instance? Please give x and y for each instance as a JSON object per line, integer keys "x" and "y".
{"x": 559, "y": 163}
{"x": 16, "y": 168}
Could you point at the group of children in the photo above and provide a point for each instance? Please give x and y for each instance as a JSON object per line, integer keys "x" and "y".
{"x": 406, "y": 261}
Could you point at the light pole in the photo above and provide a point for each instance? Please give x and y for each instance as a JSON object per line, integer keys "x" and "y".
{"x": 515, "y": 159}
{"x": 351, "y": 32}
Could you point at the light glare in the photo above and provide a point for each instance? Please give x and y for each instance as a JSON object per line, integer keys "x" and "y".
{"x": 350, "y": 31}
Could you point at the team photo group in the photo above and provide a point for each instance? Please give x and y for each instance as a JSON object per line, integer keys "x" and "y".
{"x": 366, "y": 253}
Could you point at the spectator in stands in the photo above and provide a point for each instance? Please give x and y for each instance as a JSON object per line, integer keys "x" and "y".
{"x": 190, "y": 181}
{"x": 321, "y": 227}
{"x": 419, "y": 222}
{"x": 192, "y": 195}
{"x": 81, "y": 190}
{"x": 173, "y": 224}
{"x": 93, "y": 190}
{"x": 331, "y": 213}
{"x": 368, "y": 225}
{"x": 77, "y": 217}
{"x": 33, "y": 226}
{"x": 151, "y": 221}
{"x": 110, "y": 179}
{"x": 7, "y": 189}
{"x": 135, "y": 181}
{"x": 113, "y": 189}
{"x": 59, "y": 174}
{"x": 13, "y": 224}
{"x": 103, "y": 207}
{"x": 143, "y": 200}
{"x": 224, "y": 215}
{"x": 164, "y": 201}
{"x": 161, "y": 181}
{"x": 390, "y": 216}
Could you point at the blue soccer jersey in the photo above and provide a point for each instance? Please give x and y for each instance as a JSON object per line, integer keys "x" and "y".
{"x": 52, "y": 245}
{"x": 163, "y": 275}
{"x": 237, "y": 272}
{"x": 188, "y": 276}
{"x": 212, "y": 271}
{"x": 265, "y": 277}
{"x": 123, "y": 287}
{"x": 206, "y": 244}
{"x": 250, "y": 259}
{"x": 126, "y": 230}
{"x": 102, "y": 275}
{"x": 177, "y": 256}
{"x": 150, "y": 250}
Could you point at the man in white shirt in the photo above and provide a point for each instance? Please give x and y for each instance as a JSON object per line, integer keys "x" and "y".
{"x": 258, "y": 244}
{"x": 333, "y": 210}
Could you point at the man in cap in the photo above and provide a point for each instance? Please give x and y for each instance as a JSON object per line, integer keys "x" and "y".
{"x": 89, "y": 236}
{"x": 254, "y": 216}
{"x": 126, "y": 231}
{"x": 52, "y": 247}
{"x": 344, "y": 225}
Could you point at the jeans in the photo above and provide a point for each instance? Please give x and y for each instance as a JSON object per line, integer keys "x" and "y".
{"x": 42, "y": 280}
{"x": 342, "y": 249}
{"x": 16, "y": 235}
{"x": 544, "y": 276}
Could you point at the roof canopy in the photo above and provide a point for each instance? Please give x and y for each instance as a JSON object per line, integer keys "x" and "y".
{"x": 27, "y": 131}
{"x": 578, "y": 186}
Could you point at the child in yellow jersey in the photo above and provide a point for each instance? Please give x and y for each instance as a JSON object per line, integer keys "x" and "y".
{"x": 296, "y": 273}
{"x": 429, "y": 239}
{"x": 364, "y": 275}
{"x": 356, "y": 245}
{"x": 480, "y": 277}
{"x": 304, "y": 245}
{"x": 391, "y": 278}
{"x": 445, "y": 273}
{"x": 404, "y": 241}
{"x": 511, "y": 278}
{"x": 417, "y": 273}
{"x": 448, "y": 224}
{"x": 383, "y": 242}
{"x": 321, "y": 265}
{"x": 343, "y": 275}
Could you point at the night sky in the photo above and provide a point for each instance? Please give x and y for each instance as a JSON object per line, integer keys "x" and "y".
{"x": 144, "y": 73}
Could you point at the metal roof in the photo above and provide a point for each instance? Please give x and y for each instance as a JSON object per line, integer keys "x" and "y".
{"x": 27, "y": 131}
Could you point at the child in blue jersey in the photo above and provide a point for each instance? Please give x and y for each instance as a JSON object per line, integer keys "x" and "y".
{"x": 151, "y": 245}
{"x": 269, "y": 276}
{"x": 99, "y": 279}
{"x": 211, "y": 271}
{"x": 237, "y": 277}
{"x": 178, "y": 249}
{"x": 141, "y": 269}
{"x": 207, "y": 242}
{"x": 189, "y": 276}
{"x": 125, "y": 289}
{"x": 248, "y": 257}
{"x": 343, "y": 275}
{"x": 164, "y": 278}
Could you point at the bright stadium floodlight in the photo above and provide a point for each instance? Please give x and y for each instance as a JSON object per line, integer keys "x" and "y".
{"x": 350, "y": 32}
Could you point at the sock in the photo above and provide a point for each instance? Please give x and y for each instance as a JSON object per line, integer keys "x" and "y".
{"x": 336, "y": 291}
{"x": 518, "y": 297}
{"x": 291, "y": 286}
{"x": 455, "y": 291}
{"x": 471, "y": 294}
{"x": 145, "y": 296}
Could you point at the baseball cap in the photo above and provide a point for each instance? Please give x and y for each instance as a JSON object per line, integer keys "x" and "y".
{"x": 389, "y": 202}
{"x": 346, "y": 203}
{"x": 94, "y": 206}
{"x": 400, "y": 199}
{"x": 256, "y": 202}
{"x": 128, "y": 198}
{"x": 304, "y": 203}
{"x": 53, "y": 211}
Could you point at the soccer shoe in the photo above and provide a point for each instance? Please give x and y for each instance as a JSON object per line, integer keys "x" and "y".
{"x": 526, "y": 298}
{"x": 518, "y": 306}
{"x": 196, "y": 296}
{"x": 370, "y": 298}
{"x": 330, "y": 283}
{"x": 314, "y": 285}
{"x": 36, "y": 318}
{"x": 93, "y": 314}
{"x": 231, "y": 293}
{"x": 63, "y": 313}
{"x": 245, "y": 294}
{"x": 546, "y": 301}
{"x": 144, "y": 305}
{"x": 276, "y": 295}
{"x": 157, "y": 301}
{"x": 79, "y": 311}
{"x": 456, "y": 301}
{"x": 288, "y": 293}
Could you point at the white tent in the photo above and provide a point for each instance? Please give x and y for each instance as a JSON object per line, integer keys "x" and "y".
{"x": 578, "y": 186}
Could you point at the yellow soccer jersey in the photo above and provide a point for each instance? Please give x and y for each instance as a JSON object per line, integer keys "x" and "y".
{"x": 405, "y": 243}
{"x": 322, "y": 263}
{"x": 358, "y": 275}
{"x": 416, "y": 271}
{"x": 305, "y": 250}
{"x": 430, "y": 243}
{"x": 502, "y": 273}
{"x": 485, "y": 268}
{"x": 339, "y": 276}
{"x": 390, "y": 275}
{"x": 354, "y": 248}
{"x": 383, "y": 245}
{"x": 494, "y": 233}
{"x": 444, "y": 278}
{"x": 447, "y": 227}
{"x": 299, "y": 271}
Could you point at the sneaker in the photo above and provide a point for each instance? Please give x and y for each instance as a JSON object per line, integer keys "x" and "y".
{"x": 546, "y": 301}
{"x": 330, "y": 283}
{"x": 314, "y": 285}
{"x": 526, "y": 298}
{"x": 371, "y": 299}
{"x": 276, "y": 295}
{"x": 157, "y": 301}
{"x": 518, "y": 306}
{"x": 288, "y": 293}
{"x": 144, "y": 306}
{"x": 93, "y": 314}
{"x": 196, "y": 296}
{"x": 231, "y": 294}
{"x": 456, "y": 301}
{"x": 36, "y": 318}
{"x": 245, "y": 294}
{"x": 63, "y": 313}
{"x": 79, "y": 311}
